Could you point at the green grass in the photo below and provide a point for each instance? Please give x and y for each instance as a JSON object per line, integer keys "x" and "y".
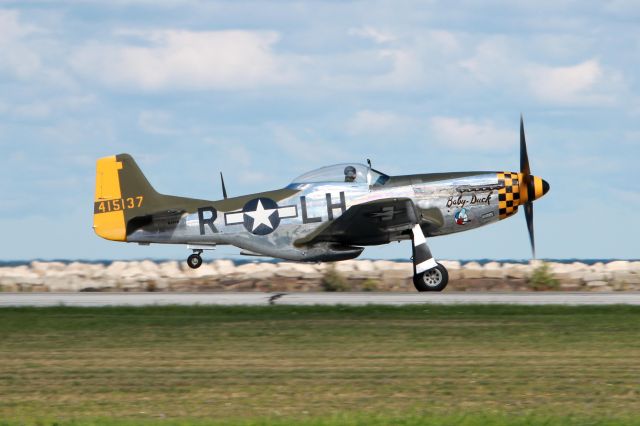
{"x": 476, "y": 419}
{"x": 469, "y": 365}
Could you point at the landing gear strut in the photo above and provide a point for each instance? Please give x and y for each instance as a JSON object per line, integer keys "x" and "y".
{"x": 195, "y": 260}
{"x": 428, "y": 275}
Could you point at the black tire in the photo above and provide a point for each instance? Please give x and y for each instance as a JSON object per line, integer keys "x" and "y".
{"x": 435, "y": 279}
{"x": 194, "y": 261}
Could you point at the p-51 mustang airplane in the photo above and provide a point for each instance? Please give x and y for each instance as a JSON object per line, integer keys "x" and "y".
{"x": 327, "y": 214}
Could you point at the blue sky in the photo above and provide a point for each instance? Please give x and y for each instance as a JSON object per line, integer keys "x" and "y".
{"x": 264, "y": 91}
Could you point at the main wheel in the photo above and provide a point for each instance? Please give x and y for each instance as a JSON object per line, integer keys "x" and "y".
{"x": 194, "y": 261}
{"x": 434, "y": 279}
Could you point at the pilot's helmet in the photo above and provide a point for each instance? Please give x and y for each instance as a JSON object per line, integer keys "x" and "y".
{"x": 349, "y": 173}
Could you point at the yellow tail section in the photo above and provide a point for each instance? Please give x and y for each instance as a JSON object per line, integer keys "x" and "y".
{"x": 108, "y": 213}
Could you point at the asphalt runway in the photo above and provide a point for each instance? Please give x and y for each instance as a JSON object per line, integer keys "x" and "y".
{"x": 354, "y": 299}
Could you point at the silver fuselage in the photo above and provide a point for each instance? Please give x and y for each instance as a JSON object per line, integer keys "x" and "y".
{"x": 448, "y": 203}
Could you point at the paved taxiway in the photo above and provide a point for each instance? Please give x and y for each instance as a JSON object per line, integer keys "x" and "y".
{"x": 257, "y": 299}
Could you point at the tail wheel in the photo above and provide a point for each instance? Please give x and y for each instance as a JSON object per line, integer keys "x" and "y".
{"x": 434, "y": 279}
{"x": 194, "y": 261}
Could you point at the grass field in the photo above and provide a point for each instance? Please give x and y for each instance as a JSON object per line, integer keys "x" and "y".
{"x": 468, "y": 365}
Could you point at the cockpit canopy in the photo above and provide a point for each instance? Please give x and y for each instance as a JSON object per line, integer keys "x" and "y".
{"x": 346, "y": 172}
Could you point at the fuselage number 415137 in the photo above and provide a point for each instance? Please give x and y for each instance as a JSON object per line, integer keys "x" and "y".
{"x": 118, "y": 204}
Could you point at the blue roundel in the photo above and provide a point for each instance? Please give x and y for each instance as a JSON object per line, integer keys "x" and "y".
{"x": 261, "y": 216}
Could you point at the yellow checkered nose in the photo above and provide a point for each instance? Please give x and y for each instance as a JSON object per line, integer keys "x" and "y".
{"x": 513, "y": 192}
{"x": 508, "y": 193}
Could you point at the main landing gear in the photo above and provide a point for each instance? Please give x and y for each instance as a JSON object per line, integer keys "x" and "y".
{"x": 428, "y": 275}
{"x": 195, "y": 260}
{"x": 435, "y": 279}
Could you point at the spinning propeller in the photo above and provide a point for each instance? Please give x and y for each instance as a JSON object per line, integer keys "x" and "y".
{"x": 533, "y": 186}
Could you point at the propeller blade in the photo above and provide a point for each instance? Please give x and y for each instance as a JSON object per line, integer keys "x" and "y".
{"x": 524, "y": 158}
{"x": 528, "y": 213}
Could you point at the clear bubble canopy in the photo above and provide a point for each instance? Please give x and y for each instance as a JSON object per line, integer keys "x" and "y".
{"x": 344, "y": 172}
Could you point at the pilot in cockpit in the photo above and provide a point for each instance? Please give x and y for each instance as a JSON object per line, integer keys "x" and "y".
{"x": 349, "y": 174}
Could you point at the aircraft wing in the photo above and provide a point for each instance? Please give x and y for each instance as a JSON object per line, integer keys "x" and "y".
{"x": 374, "y": 222}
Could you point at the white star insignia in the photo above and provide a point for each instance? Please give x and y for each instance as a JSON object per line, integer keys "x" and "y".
{"x": 261, "y": 216}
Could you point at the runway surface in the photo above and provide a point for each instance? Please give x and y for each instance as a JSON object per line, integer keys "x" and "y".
{"x": 264, "y": 299}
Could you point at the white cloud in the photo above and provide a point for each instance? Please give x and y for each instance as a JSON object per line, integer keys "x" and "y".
{"x": 43, "y": 108}
{"x": 304, "y": 145}
{"x": 444, "y": 41}
{"x": 492, "y": 62}
{"x": 580, "y": 83}
{"x": 368, "y": 122}
{"x": 416, "y": 61}
{"x": 411, "y": 62}
{"x": 242, "y": 160}
{"x": 407, "y": 68}
{"x": 595, "y": 164}
{"x": 170, "y": 59}
{"x": 471, "y": 134}
{"x": 374, "y": 34}
{"x": 15, "y": 56}
{"x": 11, "y": 28}
{"x": 155, "y": 122}
{"x": 626, "y": 197}
{"x": 507, "y": 65}
{"x": 630, "y": 137}
{"x": 36, "y": 109}
{"x": 77, "y": 131}
{"x": 623, "y": 8}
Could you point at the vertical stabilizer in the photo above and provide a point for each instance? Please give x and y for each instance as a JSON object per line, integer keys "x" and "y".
{"x": 122, "y": 191}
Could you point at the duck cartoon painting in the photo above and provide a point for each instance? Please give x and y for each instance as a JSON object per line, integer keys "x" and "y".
{"x": 461, "y": 217}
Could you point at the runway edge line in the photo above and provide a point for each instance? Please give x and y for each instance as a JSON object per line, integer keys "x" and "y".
{"x": 309, "y": 299}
